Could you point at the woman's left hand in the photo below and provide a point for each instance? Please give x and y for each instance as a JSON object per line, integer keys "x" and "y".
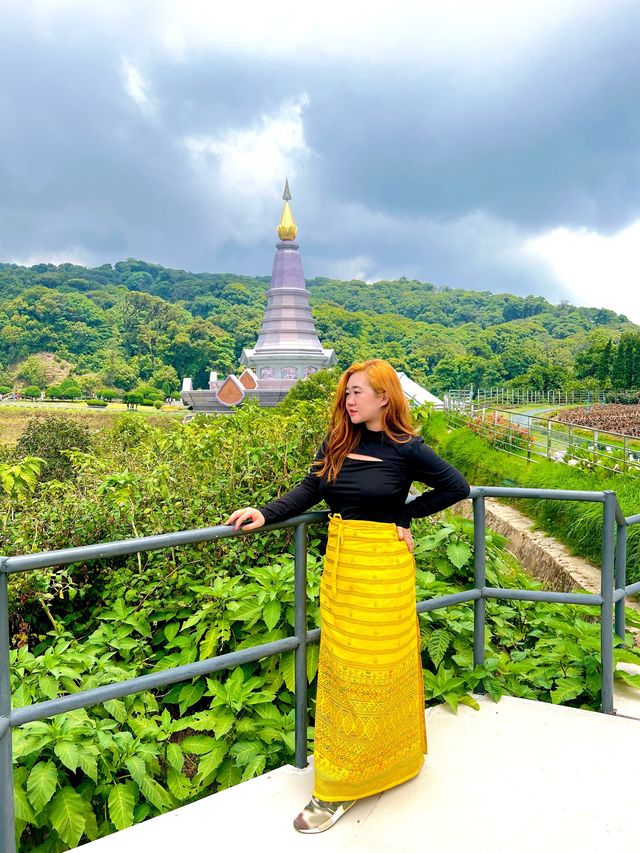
{"x": 405, "y": 534}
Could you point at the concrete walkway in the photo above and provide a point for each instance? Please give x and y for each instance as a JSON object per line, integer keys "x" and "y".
{"x": 518, "y": 776}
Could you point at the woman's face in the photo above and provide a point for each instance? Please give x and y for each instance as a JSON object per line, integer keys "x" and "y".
{"x": 362, "y": 403}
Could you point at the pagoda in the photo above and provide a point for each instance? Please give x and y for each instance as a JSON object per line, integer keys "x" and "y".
{"x": 288, "y": 347}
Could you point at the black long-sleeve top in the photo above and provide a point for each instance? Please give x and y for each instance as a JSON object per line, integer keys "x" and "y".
{"x": 377, "y": 491}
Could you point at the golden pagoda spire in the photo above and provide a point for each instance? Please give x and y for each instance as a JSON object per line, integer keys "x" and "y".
{"x": 287, "y": 228}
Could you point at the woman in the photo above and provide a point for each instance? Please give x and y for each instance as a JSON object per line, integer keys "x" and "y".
{"x": 369, "y": 728}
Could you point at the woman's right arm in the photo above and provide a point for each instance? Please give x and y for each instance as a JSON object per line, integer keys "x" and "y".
{"x": 301, "y": 498}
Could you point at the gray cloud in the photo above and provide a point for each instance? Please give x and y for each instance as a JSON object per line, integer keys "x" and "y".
{"x": 422, "y": 168}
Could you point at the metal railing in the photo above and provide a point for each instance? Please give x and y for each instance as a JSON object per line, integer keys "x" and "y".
{"x": 612, "y": 575}
{"x": 534, "y": 438}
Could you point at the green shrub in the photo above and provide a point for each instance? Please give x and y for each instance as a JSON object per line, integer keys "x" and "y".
{"x": 157, "y": 404}
{"x": 100, "y": 404}
{"x": 5, "y": 389}
{"x": 32, "y": 392}
{"x": 50, "y": 438}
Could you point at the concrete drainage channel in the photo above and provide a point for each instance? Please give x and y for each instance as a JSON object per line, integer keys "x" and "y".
{"x": 541, "y": 555}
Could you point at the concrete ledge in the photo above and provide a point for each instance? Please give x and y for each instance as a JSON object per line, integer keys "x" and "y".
{"x": 516, "y": 775}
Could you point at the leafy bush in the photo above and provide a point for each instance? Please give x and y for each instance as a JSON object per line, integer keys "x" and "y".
{"x": 99, "y": 404}
{"x": 53, "y": 392}
{"x": 32, "y": 392}
{"x": 319, "y": 386}
{"x": 50, "y": 438}
{"x": 157, "y": 404}
{"x": 82, "y": 775}
{"x": 5, "y": 389}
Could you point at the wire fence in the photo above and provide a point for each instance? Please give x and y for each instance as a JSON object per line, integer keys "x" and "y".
{"x": 536, "y": 438}
{"x": 523, "y": 396}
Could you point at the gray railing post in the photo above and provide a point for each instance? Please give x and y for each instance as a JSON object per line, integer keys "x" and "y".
{"x": 300, "y": 603}
{"x": 479, "y": 575}
{"x": 7, "y": 830}
{"x": 621, "y": 578}
{"x": 606, "y": 591}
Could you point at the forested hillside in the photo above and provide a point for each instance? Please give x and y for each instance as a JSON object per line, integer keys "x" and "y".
{"x": 135, "y": 322}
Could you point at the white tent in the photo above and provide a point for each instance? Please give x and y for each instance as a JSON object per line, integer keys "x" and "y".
{"x": 416, "y": 393}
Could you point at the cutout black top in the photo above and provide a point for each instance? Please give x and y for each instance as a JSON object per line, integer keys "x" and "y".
{"x": 376, "y": 489}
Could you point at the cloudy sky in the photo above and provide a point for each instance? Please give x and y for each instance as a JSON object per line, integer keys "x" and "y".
{"x": 487, "y": 145}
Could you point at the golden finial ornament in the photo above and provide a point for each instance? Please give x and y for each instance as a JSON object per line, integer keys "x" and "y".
{"x": 287, "y": 228}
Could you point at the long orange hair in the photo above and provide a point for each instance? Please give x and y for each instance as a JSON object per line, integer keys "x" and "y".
{"x": 344, "y": 437}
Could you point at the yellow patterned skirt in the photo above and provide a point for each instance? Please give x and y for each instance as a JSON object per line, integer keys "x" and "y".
{"x": 369, "y": 729}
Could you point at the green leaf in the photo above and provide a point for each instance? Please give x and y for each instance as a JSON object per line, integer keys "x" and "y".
{"x": 41, "y": 784}
{"x": 288, "y": 670}
{"x": 210, "y": 762}
{"x": 438, "y": 645}
{"x": 179, "y": 785}
{"x": 469, "y": 700}
{"x": 271, "y": 613}
{"x": 22, "y": 806}
{"x": 245, "y": 611}
{"x": 88, "y": 764}
{"x": 198, "y": 744}
{"x": 48, "y": 686}
{"x": 313, "y": 656}
{"x": 254, "y": 767}
{"x": 175, "y": 756}
{"x": 245, "y": 751}
{"x": 121, "y": 803}
{"x": 149, "y": 788}
{"x": 90, "y": 823}
{"x": 458, "y": 553}
{"x": 171, "y": 630}
{"x": 190, "y": 694}
{"x": 209, "y": 642}
{"x": 267, "y": 711}
{"x": 67, "y": 813}
{"x": 228, "y": 775}
{"x": 67, "y": 752}
{"x": 566, "y": 688}
{"x": 116, "y": 708}
{"x": 627, "y": 677}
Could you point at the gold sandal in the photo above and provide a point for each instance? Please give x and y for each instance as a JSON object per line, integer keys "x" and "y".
{"x": 319, "y": 815}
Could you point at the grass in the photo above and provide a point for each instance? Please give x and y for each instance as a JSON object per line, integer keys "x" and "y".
{"x": 15, "y": 415}
{"x": 578, "y": 525}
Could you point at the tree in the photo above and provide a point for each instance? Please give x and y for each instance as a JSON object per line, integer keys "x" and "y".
{"x": 33, "y": 372}
{"x": 619, "y": 368}
{"x": 603, "y": 370}
{"x": 33, "y": 392}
